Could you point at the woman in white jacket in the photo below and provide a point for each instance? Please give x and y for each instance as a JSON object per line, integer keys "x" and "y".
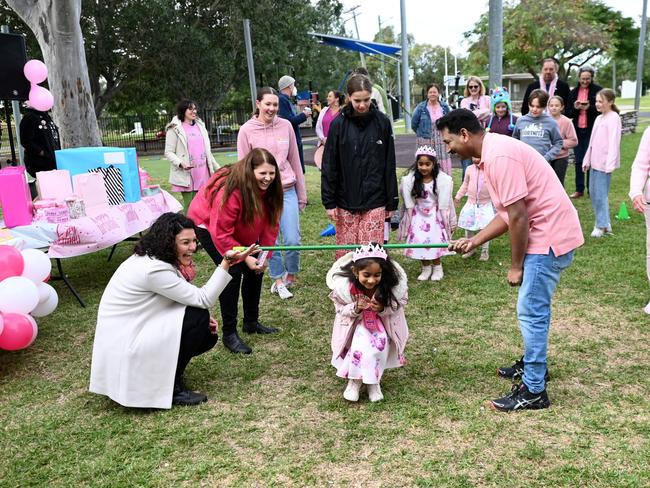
{"x": 187, "y": 147}
{"x": 152, "y": 320}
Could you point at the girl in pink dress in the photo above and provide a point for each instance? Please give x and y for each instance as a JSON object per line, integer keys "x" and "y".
{"x": 429, "y": 216}
{"x": 369, "y": 292}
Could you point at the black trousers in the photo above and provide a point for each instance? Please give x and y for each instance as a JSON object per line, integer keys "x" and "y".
{"x": 560, "y": 166}
{"x": 195, "y": 337}
{"x": 244, "y": 279}
{"x": 584, "y": 135}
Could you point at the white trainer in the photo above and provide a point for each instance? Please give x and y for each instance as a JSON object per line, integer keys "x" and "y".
{"x": 597, "y": 232}
{"x": 374, "y": 393}
{"x": 351, "y": 392}
{"x": 437, "y": 273}
{"x": 281, "y": 290}
{"x": 425, "y": 274}
{"x": 646, "y": 309}
{"x": 485, "y": 255}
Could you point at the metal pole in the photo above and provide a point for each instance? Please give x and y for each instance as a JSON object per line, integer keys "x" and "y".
{"x": 406, "y": 90}
{"x": 639, "y": 59}
{"x": 614, "y": 75}
{"x": 15, "y": 105}
{"x": 249, "y": 61}
{"x": 399, "y": 87}
{"x": 446, "y": 74}
{"x": 496, "y": 43}
{"x": 356, "y": 27}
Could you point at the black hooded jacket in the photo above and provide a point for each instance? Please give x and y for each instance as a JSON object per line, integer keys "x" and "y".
{"x": 358, "y": 171}
{"x": 40, "y": 138}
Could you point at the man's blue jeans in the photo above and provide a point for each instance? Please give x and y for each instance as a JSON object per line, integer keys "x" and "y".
{"x": 289, "y": 236}
{"x": 541, "y": 276}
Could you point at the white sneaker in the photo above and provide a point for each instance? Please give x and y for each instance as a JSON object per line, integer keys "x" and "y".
{"x": 281, "y": 290}
{"x": 374, "y": 393}
{"x": 646, "y": 309}
{"x": 468, "y": 254}
{"x": 597, "y": 232}
{"x": 485, "y": 255}
{"x": 425, "y": 274}
{"x": 351, "y": 392}
{"x": 437, "y": 273}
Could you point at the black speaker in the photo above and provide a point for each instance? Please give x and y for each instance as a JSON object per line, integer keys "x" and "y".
{"x": 13, "y": 84}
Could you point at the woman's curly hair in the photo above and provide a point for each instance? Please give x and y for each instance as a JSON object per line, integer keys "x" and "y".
{"x": 160, "y": 241}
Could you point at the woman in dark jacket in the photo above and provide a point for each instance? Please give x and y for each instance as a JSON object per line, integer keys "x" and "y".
{"x": 581, "y": 108}
{"x": 358, "y": 180}
{"x": 39, "y": 136}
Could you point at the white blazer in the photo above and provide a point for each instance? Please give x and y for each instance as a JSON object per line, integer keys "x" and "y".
{"x": 138, "y": 332}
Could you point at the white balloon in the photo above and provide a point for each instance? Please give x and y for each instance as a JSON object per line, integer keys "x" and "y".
{"x": 37, "y": 265}
{"x": 48, "y": 305}
{"x": 43, "y": 292}
{"x": 18, "y": 295}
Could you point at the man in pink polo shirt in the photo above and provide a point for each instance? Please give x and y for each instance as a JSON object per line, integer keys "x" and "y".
{"x": 544, "y": 231}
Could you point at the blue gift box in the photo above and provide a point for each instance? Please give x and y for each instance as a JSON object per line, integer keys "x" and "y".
{"x": 82, "y": 159}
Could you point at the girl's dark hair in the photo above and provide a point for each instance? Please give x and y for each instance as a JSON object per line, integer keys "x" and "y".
{"x": 182, "y": 106}
{"x": 358, "y": 83}
{"x": 266, "y": 90}
{"x": 160, "y": 241}
{"x": 389, "y": 279}
{"x": 418, "y": 183}
{"x": 431, "y": 85}
{"x": 339, "y": 96}
{"x": 610, "y": 96}
{"x": 240, "y": 176}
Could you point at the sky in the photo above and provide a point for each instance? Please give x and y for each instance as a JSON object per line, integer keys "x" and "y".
{"x": 435, "y": 22}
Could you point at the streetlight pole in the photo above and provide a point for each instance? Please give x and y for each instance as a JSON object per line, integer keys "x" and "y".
{"x": 406, "y": 90}
{"x": 639, "y": 61}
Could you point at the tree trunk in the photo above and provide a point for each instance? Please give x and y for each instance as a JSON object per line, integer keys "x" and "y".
{"x": 55, "y": 23}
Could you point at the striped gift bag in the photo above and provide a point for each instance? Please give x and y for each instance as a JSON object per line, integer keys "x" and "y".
{"x": 113, "y": 183}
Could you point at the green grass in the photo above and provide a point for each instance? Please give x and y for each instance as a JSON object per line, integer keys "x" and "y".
{"x": 277, "y": 417}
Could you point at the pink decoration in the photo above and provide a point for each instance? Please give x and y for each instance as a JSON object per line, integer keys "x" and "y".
{"x": 35, "y": 71}
{"x": 369, "y": 250}
{"x": 15, "y": 199}
{"x": 40, "y": 98}
{"x": 2, "y": 323}
{"x": 20, "y": 331}
{"x": 11, "y": 262}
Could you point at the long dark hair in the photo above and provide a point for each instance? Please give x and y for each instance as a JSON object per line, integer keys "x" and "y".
{"x": 240, "y": 176}
{"x": 182, "y": 106}
{"x": 266, "y": 90}
{"x": 160, "y": 241}
{"x": 418, "y": 183}
{"x": 389, "y": 279}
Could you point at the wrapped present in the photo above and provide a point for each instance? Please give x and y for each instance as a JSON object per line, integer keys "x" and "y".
{"x": 83, "y": 159}
{"x": 55, "y": 184}
{"x": 76, "y": 207}
{"x": 90, "y": 188}
{"x": 112, "y": 183}
{"x": 15, "y": 198}
{"x": 150, "y": 190}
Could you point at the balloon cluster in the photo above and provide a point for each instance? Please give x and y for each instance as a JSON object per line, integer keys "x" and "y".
{"x": 23, "y": 295}
{"x": 39, "y": 98}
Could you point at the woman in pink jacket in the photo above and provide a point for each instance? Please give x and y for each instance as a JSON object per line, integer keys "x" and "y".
{"x": 640, "y": 191}
{"x": 268, "y": 131}
{"x": 369, "y": 292}
{"x": 603, "y": 157}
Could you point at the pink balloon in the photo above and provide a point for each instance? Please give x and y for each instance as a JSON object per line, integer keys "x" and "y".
{"x": 2, "y": 324}
{"x": 11, "y": 262}
{"x": 35, "y": 71}
{"x": 40, "y": 98}
{"x": 20, "y": 331}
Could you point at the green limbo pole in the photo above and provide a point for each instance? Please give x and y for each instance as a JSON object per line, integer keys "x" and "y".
{"x": 333, "y": 247}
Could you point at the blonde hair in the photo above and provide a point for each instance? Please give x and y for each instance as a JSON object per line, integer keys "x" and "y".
{"x": 558, "y": 98}
{"x": 480, "y": 84}
{"x": 609, "y": 95}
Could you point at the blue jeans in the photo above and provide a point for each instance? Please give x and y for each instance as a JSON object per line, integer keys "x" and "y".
{"x": 599, "y": 182}
{"x": 541, "y": 276}
{"x": 289, "y": 236}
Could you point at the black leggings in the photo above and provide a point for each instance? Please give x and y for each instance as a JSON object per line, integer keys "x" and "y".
{"x": 196, "y": 337}
{"x": 243, "y": 278}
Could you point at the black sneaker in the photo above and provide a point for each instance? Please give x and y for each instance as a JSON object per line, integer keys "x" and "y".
{"x": 184, "y": 396}
{"x": 516, "y": 371}
{"x": 520, "y": 398}
{"x": 257, "y": 328}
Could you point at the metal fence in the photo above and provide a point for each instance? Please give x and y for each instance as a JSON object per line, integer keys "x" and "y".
{"x": 147, "y": 132}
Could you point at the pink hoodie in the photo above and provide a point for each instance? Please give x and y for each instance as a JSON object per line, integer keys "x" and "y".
{"x": 641, "y": 169}
{"x": 280, "y": 140}
{"x": 604, "y": 151}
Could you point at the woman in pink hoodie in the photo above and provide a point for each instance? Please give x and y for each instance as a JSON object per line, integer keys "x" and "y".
{"x": 640, "y": 191}
{"x": 268, "y": 131}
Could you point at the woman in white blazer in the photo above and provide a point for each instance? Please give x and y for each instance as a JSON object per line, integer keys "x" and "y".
{"x": 152, "y": 320}
{"x": 187, "y": 147}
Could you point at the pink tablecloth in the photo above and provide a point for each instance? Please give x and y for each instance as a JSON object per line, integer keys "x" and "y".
{"x": 90, "y": 234}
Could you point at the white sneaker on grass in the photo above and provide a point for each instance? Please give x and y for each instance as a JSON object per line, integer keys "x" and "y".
{"x": 374, "y": 393}
{"x": 597, "y": 232}
{"x": 281, "y": 290}
{"x": 425, "y": 274}
{"x": 351, "y": 392}
{"x": 437, "y": 274}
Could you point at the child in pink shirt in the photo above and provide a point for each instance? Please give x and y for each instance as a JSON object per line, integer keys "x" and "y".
{"x": 544, "y": 229}
{"x": 640, "y": 191}
{"x": 568, "y": 133}
{"x": 603, "y": 156}
{"x": 478, "y": 211}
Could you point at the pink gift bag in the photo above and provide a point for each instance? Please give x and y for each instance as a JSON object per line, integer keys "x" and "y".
{"x": 15, "y": 198}
{"x": 55, "y": 184}
{"x": 90, "y": 188}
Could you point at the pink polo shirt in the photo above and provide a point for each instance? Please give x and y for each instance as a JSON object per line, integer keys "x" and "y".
{"x": 514, "y": 170}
